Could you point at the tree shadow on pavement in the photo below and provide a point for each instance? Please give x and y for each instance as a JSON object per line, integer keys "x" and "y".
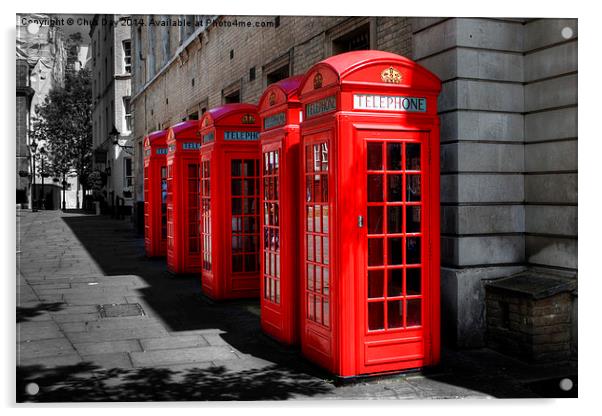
{"x": 87, "y": 383}
{"x": 25, "y": 314}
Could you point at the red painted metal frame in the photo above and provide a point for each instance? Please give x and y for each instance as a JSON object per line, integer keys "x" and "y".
{"x": 219, "y": 278}
{"x": 339, "y": 339}
{"x": 155, "y": 150}
{"x": 183, "y": 237}
{"x": 279, "y": 109}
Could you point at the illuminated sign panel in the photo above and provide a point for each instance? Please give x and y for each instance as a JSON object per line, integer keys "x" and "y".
{"x": 191, "y": 146}
{"x": 389, "y": 103}
{"x": 275, "y": 120}
{"x": 209, "y": 137}
{"x": 241, "y": 135}
{"x": 324, "y": 105}
{"x": 161, "y": 151}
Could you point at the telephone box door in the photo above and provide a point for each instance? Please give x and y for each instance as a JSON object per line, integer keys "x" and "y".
{"x": 243, "y": 228}
{"x": 394, "y": 313}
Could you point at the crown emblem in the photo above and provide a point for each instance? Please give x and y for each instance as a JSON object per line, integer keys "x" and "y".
{"x": 272, "y": 98}
{"x": 248, "y": 119}
{"x": 206, "y": 122}
{"x": 318, "y": 81}
{"x": 391, "y": 76}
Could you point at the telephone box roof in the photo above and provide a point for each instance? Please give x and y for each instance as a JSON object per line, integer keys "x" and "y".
{"x": 346, "y": 64}
{"x": 185, "y": 128}
{"x": 157, "y": 136}
{"x": 217, "y": 113}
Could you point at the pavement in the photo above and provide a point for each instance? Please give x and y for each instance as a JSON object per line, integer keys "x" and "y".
{"x": 98, "y": 321}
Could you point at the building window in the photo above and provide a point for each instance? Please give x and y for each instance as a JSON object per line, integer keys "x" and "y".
{"x": 278, "y": 74}
{"x": 193, "y": 116}
{"x": 127, "y": 56}
{"x": 233, "y": 97}
{"x": 355, "y": 40}
{"x": 127, "y": 111}
{"x": 128, "y": 178}
{"x": 252, "y": 74}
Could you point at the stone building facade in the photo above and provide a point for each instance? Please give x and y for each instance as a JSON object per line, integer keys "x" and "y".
{"x": 111, "y": 68}
{"x": 508, "y": 113}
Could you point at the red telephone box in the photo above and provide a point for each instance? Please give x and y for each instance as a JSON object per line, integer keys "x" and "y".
{"x": 230, "y": 201}
{"x": 370, "y": 209}
{"x": 279, "y": 109}
{"x": 183, "y": 198}
{"x": 155, "y": 194}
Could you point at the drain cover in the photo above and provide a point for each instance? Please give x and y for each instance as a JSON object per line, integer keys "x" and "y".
{"x": 120, "y": 310}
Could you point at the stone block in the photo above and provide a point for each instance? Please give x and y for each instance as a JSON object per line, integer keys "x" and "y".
{"x": 551, "y": 93}
{"x": 419, "y": 23}
{"x": 558, "y": 188}
{"x": 483, "y": 219}
{"x": 551, "y": 251}
{"x": 463, "y": 303}
{"x": 489, "y": 65}
{"x": 482, "y": 250}
{"x": 475, "y": 188}
{"x": 465, "y": 94}
{"x": 490, "y": 34}
{"x": 481, "y": 125}
{"x": 551, "y": 156}
{"x": 551, "y": 62}
{"x": 553, "y": 124}
{"x": 544, "y": 32}
{"x": 434, "y": 39}
{"x": 481, "y": 157}
{"x": 550, "y": 219}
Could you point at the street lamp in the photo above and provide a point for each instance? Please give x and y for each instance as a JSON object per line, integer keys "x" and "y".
{"x": 43, "y": 154}
{"x": 33, "y": 147}
{"x": 115, "y": 134}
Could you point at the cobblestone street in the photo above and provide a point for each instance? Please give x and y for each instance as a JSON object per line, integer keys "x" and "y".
{"x": 98, "y": 321}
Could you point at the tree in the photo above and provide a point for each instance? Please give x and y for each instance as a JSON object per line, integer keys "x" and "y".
{"x": 65, "y": 124}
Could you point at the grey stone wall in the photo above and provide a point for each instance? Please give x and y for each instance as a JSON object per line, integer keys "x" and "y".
{"x": 508, "y": 112}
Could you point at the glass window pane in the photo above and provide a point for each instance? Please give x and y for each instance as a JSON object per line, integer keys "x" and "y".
{"x": 375, "y": 156}
{"x": 249, "y": 167}
{"x": 394, "y": 187}
{"x": 376, "y": 316}
{"x": 413, "y": 187}
{"x": 249, "y": 225}
{"x": 236, "y": 206}
{"x": 236, "y": 264}
{"x": 395, "y": 314}
{"x": 413, "y": 156}
{"x": 325, "y": 251}
{"x": 413, "y": 250}
{"x": 414, "y": 312}
{"x": 375, "y": 188}
{"x": 236, "y": 187}
{"x": 310, "y": 277}
{"x": 325, "y": 281}
{"x": 375, "y": 252}
{"x": 375, "y": 220}
{"x": 318, "y": 245}
{"x": 394, "y": 282}
{"x": 395, "y": 251}
{"x": 310, "y": 247}
{"x": 413, "y": 283}
{"x": 326, "y": 311}
{"x": 375, "y": 283}
{"x": 317, "y": 219}
{"x": 310, "y": 219}
{"x": 393, "y": 156}
{"x": 235, "y": 167}
{"x": 324, "y": 181}
{"x": 413, "y": 219}
{"x": 394, "y": 219}
{"x": 310, "y": 306}
{"x": 318, "y": 281}
{"x": 249, "y": 186}
{"x": 236, "y": 244}
{"x": 309, "y": 188}
{"x": 325, "y": 219}
{"x": 309, "y": 159}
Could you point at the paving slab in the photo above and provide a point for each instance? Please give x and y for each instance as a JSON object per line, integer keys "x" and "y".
{"x": 44, "y": 348}
{"x": 111, "y": 360}
{"x": 181, "y": 356}
{"x": 94, "y": 348}
{"x": 173, "y": 342}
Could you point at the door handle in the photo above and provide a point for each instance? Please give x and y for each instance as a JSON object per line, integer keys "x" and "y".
{"x": 360, "y": 221}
